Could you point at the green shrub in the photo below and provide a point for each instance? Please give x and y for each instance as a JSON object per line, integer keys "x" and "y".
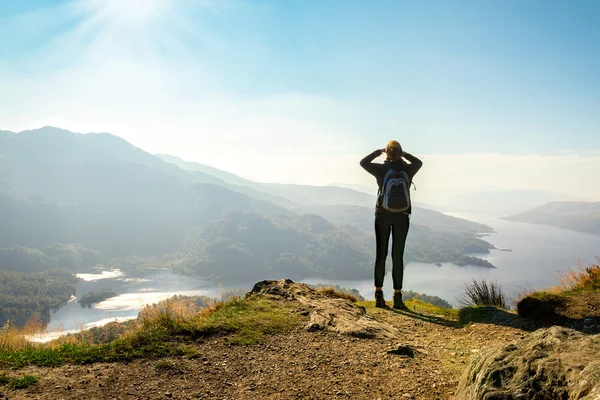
{"x": 482, "y": 293}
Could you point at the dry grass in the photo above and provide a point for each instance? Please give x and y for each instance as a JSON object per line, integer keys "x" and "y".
{"x": 156, "y": 333}
{"x": 331, "y": 292}
{"x": 575, "y": 296}
{"x": 583, "y": 278}
{"x": 14, "y": 338}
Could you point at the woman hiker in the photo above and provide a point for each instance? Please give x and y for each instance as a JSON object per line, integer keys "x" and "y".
{"x": 392, "y": 213}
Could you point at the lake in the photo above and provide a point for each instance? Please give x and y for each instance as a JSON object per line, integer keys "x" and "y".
{"x": 134, "y": 292}
{"x": 538, "y": 254}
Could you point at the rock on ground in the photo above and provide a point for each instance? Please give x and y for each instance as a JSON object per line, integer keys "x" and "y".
{"x": 552, "y": 363}
{"x": 332, "y": 314}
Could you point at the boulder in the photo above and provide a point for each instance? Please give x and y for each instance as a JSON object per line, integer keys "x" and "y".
{"x": 552, "y": 363}
{"x": 326, "y": 313}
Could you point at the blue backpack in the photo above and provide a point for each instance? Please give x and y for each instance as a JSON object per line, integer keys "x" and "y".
{"x": 395, "y": 192}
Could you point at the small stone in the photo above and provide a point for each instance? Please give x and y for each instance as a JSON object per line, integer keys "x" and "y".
{"x": 402, "y": 350}
{"x": 57, "y": 387}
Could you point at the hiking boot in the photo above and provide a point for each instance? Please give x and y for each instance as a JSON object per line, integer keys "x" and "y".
{"x": 398, "y": 303}
{"x": 379, "y": 301}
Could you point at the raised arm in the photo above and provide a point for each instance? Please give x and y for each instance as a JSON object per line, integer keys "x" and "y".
{"x": 415, "y": 163}
{"x": 368, "y": 164}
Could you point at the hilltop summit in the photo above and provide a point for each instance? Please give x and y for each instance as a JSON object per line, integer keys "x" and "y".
{"x": 285, "y": 340}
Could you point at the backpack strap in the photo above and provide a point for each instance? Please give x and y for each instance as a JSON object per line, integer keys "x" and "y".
{"x": 380, "y": 190}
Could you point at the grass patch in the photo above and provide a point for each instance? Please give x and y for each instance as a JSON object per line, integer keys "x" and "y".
{"x": 431, "y": 309}
{"x": 18, "y": 383}
{"x": 483, "y": 293}
{"x": 248, "y": 321}
{"x": 159, "y": 332}
{"x": 23, "y": 383}
{"x": 418, "y": 306}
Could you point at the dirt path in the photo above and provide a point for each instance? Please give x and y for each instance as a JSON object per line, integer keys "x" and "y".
{"x": 302, "y": 364}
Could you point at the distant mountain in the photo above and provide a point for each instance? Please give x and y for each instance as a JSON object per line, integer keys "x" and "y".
{"x": 362, "y": 218}
{"x": 574, "y": 215}
{"x": 358, "y": 188}
{"x": 58, "y": 164}
{"x": 229, "y": 180}
{"x": 193, "y": 166}
{"x": 114, "y": 199}
{"x": 498, "y": 202}
{"x": 4, "y": 134}
{"x": 103, "y": 193}
{"x": 292, "y": 246}
{"x": 299, "y": 194}
{"x": 59, "y": 255}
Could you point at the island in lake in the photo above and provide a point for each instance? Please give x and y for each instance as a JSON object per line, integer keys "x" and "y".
{"x": 96, "y": 297}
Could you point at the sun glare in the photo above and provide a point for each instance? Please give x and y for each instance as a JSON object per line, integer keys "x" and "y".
{"x": 132, "y": 11}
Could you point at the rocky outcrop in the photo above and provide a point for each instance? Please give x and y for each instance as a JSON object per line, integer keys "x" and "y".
{"x": 326, "y": 313}
{"x": 553, "y": 363}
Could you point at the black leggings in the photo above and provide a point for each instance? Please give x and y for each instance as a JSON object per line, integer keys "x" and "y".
{"x": 397, "y": 225}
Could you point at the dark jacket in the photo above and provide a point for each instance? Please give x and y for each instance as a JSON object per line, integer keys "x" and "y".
{"x": 379, "y": 170}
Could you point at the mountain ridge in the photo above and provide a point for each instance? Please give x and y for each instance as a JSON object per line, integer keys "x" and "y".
{"x": 105, "y": 194}
{"x": 575, "y": 215}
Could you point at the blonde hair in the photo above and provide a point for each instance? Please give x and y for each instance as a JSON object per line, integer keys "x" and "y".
{"x": 393, "y": 150}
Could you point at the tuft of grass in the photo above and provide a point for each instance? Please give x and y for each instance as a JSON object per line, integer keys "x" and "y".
{"x": 158, "y": 332}
{"x": 23, "y": 383}
{"x": 169, "y": 366}
{"x": 582, "y": 279}
{"x": 331, "y": 292}
{"x": 338, "y": 292}
{"x": 482, "y": 293}
{"x": 188, "y": 351}
{"x": 18, "y": 383}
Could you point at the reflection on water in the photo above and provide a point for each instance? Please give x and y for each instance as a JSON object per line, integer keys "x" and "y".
{"x": 134, "y": 292}
{"x": 136, "y": 301}
{"x": 110, "y": 274}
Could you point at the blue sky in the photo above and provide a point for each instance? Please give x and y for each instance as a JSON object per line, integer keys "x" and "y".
{"x": 308, "y": 79}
